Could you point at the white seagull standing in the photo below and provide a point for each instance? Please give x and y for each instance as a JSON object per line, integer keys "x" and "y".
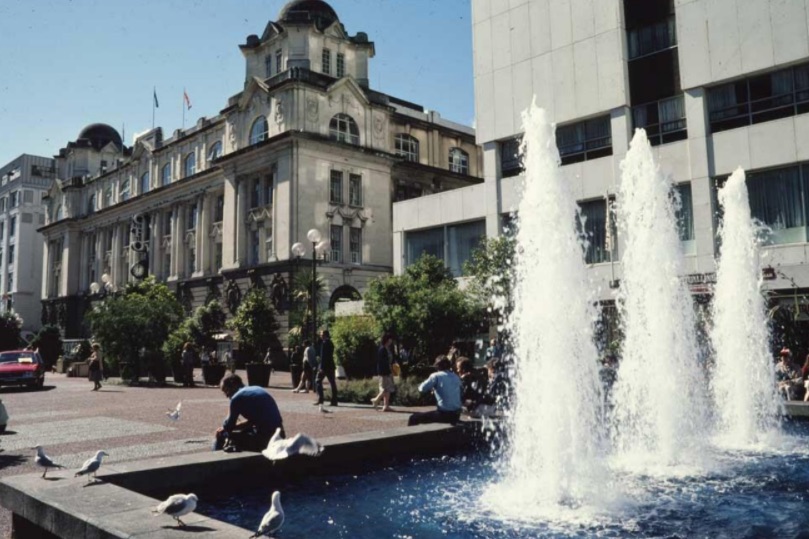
{"x": 177, "y": 506}
{"x": 174, "y": 415}
{"x": 45, "y": 461}
{"x": 273, "y": 519}
{"x": 92, "y": 464}
{"x": 300, "y": 444}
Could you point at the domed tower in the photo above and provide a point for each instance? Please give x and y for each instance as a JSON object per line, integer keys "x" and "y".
{"x": 308, "y": 35}
{"x": 99, "y": 135}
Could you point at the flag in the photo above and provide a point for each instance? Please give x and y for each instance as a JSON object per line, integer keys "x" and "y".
{"x": 154, "y": 94}
{"x": 187, "y": 101}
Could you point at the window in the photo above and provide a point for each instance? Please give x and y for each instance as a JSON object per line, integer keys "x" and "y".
{"x": 190, "y": 164}
{"x": 254, "y": 244}
{"x": 584, "y": 140}
{"x": 2, "y": 231}
{"x": 336, "y": 238}
{"x": 685, "y": 213}
{"x": 10, "y": 282}
{"x": 278, "y": 59}
{"x": 271, "y": 184}
{"x": 268, "y": 244}
{"x": 15, "y": 199}
{"x": 341, "y": 65}
{"x": 664, "y": 120}
{"x": 462, "y": 240}
{"x": 11, "y": 254}
{"x": 759, "y": 99}
{"x": 343, "y": 128}
{"x": 430, "y": 242}
{"x": 651, "y": 38}
{"x": 255, "y": 194}
{"x": 407, "y": 191}
{"x": 355, "y": 245}
{"x": 510, "y": 160}
{"x": 3, "y": 204}
{"x": 268, "y": 66}
{"x": 258, "y": 131}
{"x": 219, "y": 211}
{"x": 593, "y": 226}
{"x": 60, "y": 213}
{"x": 108, "y": 196}
{"x": 217, "y": 260}
{"x": 191, "y": 217}
{"x": 191, "y": 260}
{"x": 167, "y": 263}
{"x": 215, "y": 151}
{"x": 407, "y": 147}
{"x": 458, "y": 161}
{"x": 125, "y": 190}
{"x": 144, "y": 183}
{"x": 336, "y": 187}
{"x": 355, "y": 190}
{"x": 12, "y": 227}
{"x": 325, "y": 63}
{"x": 165, "y": 174}
{"x": 778, "y": 198}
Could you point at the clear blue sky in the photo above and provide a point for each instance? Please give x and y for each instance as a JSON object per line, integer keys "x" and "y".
{"x": 66, "y": 64}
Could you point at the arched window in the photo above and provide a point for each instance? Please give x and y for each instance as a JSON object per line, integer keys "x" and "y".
{"x": 125, "y": 191}
{"x": 407, "y": 147}
{"x": 215, "y": 151}
{"x": 258, "y": 131}
{"x": 458, "y": 161}
{"x": 165, "y": 174}
{"x": 144, "y": 183}
{"x": 190, "y": 164}
{"x": 343, "y": 128}
{"x": 91, "y": 204}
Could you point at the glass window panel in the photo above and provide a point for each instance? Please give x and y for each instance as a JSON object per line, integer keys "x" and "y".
{"x": 777, "y": 200}
{"x": 325, "y": 62}
{"x": 165, "y": 175}
{"x": 593, "y": 226}
{"x": 685, "y": 213}
{"x": 429, "y": 242}
{"x": 259, "y": 129}
{"x": 144, "y": 183}
{"x": 190, "y": 165}
{"x": 355, "y": 190}
{"x": 336, "y": 238}
{"x": 336, "y": 187}
{"x": 458, "y": 161}
{"x": 343, "y": 128}
{"x": 461, "y": 241}
{"x": 356, "y": 245}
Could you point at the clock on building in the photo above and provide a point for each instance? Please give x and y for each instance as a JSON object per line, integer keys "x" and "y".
{"x": 138, "y": 270}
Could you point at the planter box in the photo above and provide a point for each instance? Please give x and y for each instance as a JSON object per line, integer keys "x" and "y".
{"x": 258, "y": 374}
{"x": 213, "y": 374}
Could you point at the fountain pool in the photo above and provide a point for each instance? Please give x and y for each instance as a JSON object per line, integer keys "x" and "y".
{"x": 746, "y": 494}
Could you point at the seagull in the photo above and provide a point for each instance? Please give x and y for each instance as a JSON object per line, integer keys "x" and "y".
{"x": 174, "y": 415}
{"x": 177, "y": 506}
{"x": 300, "y": 444}
{"x": 92, "y": 465}
{"x": 45, "y": 461}
{"x": 273, "y": 519}
{"x": 323, "y": 410}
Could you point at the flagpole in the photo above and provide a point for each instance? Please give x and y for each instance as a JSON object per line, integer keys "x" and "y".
{"x": 154, "y": 93}
{"x": 182, "y": 105}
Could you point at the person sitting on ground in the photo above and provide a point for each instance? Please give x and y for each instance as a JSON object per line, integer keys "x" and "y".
{"x": 787, "y": 376}
{"x": 446, "y": 386}
{"x": 259, "y": 410}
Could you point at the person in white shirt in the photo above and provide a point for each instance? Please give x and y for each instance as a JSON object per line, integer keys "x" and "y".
{"x": 447, "y": 388}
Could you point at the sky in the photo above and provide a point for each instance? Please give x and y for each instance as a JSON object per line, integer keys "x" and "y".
{"x": 69, "y": 63}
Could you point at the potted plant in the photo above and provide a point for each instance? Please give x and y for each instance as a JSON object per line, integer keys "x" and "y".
{"x": 213, "y": 372}
{"x": 258, "y": 373}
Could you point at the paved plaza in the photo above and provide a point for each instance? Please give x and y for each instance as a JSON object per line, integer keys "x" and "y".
{"x": 72, "y": 422}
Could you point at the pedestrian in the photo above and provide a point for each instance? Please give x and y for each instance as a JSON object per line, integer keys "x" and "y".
{"x": 384, "y": 371}
{"x": 204, "y": 358}
{"x": 301, "y": 357}
{"x": 259, "y": 410}
{"x": 188, "y": 358}
{"x": 268, "y": 358}
{"x": 447, "y": 388}
{"x": 493, "y": 351}
{"x": 230, "y": 362}
{"x": 326, "y": 369}
{"x": 96, "y": 367}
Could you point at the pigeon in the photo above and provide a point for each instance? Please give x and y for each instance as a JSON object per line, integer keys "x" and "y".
{"x": 92, "y": 465}
{"x": 174, "y": 415}
{"x": 273, "y": 519}
{"x": 45, "y": 461}
{"x": 177, "y": 506}
{"x": 300, "y": 444}
{"x": 323, "y": 410}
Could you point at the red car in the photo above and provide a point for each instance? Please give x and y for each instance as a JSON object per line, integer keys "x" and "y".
{"x": 21, "y": 367}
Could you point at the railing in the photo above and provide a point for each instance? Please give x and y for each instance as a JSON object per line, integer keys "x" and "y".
{"x": 586, "y": 149}
{"x": 664, "y": 120}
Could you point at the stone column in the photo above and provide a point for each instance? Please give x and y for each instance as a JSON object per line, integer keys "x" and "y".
{"x": 47, "y": 275}
{"x": 116, "y": 249}
{"x": 242, "y": 204}
{"x": 154, "y": 244}
{"x": 175, "y": 234}
{"x": 203, "y": 235}
{"x": 229, "y": 219}
{"x": 83, "y": 262}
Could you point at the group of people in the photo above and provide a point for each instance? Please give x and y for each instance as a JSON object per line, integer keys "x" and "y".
{"x": 792, "y": 381}
{"x": 317, "y": 361}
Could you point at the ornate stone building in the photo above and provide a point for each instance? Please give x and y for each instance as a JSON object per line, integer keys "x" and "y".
{"x": 215, "y": 209}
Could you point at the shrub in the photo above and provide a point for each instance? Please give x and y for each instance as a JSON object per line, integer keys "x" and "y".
{"x": 49, "y": 343}
{"x": 355, "y": 344}
{"x": 255, "y": 326}
{"x": 9, "y": 331}
{"x": 363, "y": 390}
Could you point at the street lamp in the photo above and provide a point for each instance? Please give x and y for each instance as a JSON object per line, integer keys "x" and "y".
{"x": 319, "y": 247}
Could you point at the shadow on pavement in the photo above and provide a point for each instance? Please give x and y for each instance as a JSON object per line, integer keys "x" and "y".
{"x": 8, "y": 461}
{"x": 20, "y": 389}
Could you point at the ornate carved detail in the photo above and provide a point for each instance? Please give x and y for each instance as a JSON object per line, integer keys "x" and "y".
{"x": 233, "y": 296}
{"x": 348, "y": 214}
{"x": 379, "y": 125}
{"x": 190, "y": 236}
{"x": 311, "y": 109}
{"x": 256, "y": 215}
{"x": 166, "y": 244}
{"x": 255, "y": 280}
{"x": 232, "y": 129}
{"x": 279, "y": 109}
{"x": 279, "y": 293}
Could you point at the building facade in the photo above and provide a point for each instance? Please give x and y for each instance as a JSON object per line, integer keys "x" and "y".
{"x": 215, "y": 209}
{"x": 716, "y": 84}
{"x": 24, "y": 184}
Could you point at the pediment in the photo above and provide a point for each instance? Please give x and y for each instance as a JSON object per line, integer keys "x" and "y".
{"x": 270, "y": 31}
{"x": 142, "y": 148}
{"x": 255, "y": 87}
{"x": 347, "y": 86}
{"x": 336, "y": 30}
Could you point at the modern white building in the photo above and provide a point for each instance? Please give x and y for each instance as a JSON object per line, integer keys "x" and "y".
{"x": 23, "y": 184}
{"x": 215, "y": 209}
{"x": 716, "y": 83}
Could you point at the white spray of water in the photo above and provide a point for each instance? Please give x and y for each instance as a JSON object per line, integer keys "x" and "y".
{"x": 660, "y": 415}
{"x": 744, "y": 377}
{"x": 557, "y": 423}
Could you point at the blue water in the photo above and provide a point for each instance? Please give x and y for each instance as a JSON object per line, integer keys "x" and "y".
{"x": 753, "y": 494}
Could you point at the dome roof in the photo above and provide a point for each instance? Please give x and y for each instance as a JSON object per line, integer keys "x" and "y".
{"x": 315, "y": 11}
{"x": 99, "y": 135}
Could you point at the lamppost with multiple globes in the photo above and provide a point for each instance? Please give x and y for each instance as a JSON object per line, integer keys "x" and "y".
{"x": 105, "y": 287}
{"x": 319, "y": 247}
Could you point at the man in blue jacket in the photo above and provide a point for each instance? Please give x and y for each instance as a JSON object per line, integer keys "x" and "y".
{"x": 259, "y": 410}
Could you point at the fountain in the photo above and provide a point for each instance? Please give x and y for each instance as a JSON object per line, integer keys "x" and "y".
{"x": 743, "y": 378}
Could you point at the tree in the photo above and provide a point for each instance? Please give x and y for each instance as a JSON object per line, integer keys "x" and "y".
{"x": 355, "y": 343}
{"x": 199, "y": 328}
{"x": 10, "y": 325}
{"x": 49, "y": 343}
{"x": 424, "y": 307}
{"x": 141, "y": 317}
{"x": 300, "y": 317}
{"x": 491, "y": 267}
{"x": 255, "y": 324}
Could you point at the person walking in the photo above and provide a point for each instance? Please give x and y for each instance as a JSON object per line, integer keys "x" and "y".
{"x": 326, "y": 369}
{"x": 188, "y": 358}
{"x": 303, "y": 356}
{"x": 230, "y": 362}
{"x": 96, "y": 367}
{"x": 384, "y": 371}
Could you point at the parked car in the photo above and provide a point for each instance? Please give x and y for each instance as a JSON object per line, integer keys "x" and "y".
{"x": 3, "y": 417}
{"x": 22, "y": 367}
